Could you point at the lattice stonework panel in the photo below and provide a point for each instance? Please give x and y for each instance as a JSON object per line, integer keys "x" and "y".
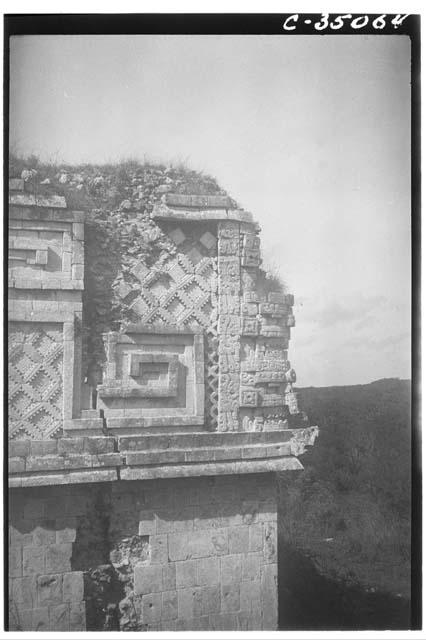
{"x": 35, "y": 379}
{"x": 183, "y": 290}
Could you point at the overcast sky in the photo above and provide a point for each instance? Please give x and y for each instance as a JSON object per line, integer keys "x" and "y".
{"x": 309, "y": 133}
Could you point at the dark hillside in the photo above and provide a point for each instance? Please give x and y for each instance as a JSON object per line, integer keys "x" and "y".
{"x": 345, "y": 520}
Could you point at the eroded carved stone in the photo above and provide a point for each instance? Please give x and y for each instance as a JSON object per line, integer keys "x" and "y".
{"x": 249, "y": 397}
{"x": 207, "y": 280}
{"x": 249, "y": 309}
{"x": 158, "y": 377}
{"x": 250, "y": 326}
{"x": 35, "y": 356}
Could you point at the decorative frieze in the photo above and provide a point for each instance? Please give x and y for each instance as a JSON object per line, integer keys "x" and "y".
{"x": 203, "y": 294}
{"x": 46, "y": 258}
{"x": 153, "y": 376}
{"x": 249, "y": 397}
{"x": 36, "y": 360}
{"x": 229, "y": 327}
{"x": 202, "y": 387}
{"x": 249, "y": 308}
{"x": 229, "y": 275}
{"x": 250, "y": 326}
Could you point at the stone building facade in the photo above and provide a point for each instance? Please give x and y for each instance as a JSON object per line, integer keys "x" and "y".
{"x": 146, "y": 500}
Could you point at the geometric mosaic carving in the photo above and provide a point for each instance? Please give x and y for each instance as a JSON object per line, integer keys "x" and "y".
{"x": 183, "y": 290}
{"x": 212, "y": 378}
{"x": 35, "y": 353}
{"x": 154, "y": 377}
{"x": 178, "y": 293}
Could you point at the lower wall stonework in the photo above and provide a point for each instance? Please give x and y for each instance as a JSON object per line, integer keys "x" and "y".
{"x": 183, "y": 554}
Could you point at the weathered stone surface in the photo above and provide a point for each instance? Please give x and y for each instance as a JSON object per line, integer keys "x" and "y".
{"x": 186, "y": 573}
{"x": 77, "y": 616}
{"x": 16, "y": 184}
{"x": 169, "y": 605}
{"x": 207, "y": 600}
{"x": 58, "y": 557}
{"x": 152, "y": 608}
{"x": 208, "y": 571}
{"x": 202, "y": 572}
{"x": 148, "y": 579}
{"x": 269, "y": 595}
{"x": 30, "y": 200}
{"x": 49, "y": 589}
{"x": 201, "y": 345}
{"x": 73, "y": 586}
{"x": 198, "y": 202}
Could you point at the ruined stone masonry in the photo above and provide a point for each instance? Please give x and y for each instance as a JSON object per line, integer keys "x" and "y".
{"x": 146, "y": 500}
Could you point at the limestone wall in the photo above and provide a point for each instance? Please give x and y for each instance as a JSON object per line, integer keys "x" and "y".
{"x": 46, "y": 268}
{"x": 204, "y": 280}
{"x": 209, "y": 281}
{"x": 143, "y": 448}
{"x": 189, "y": 554}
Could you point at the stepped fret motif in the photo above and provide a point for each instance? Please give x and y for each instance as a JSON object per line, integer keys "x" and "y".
{"x": 183, "y": 291}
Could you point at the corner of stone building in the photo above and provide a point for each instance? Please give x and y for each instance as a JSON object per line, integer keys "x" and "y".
{"x": 143, "y": 448}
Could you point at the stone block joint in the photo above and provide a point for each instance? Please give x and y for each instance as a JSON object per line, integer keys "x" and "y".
{"x": 143, "y": 493}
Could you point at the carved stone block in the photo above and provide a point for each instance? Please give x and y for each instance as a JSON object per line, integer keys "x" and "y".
{"x": 271, "y": 328}
{"x": 273, "y": 309}
{"x": 274, "y": 424}
{"x": 266, "y": 377}
{"x": 44, "y": 253}
{"x": 229, "y": 246}
{"x": 272, "y": 400}
{"x": 229, "y": 268}
{"x": 250, "y": 258}
{"x": 229, "y": 324}
{"x": 229, "y": 229}
{"x": 266, "y": 308}
{"x": 154, "y": 375}
{"x": 230, "y": 346}
{"x": 229, "y": 385}
{"x": 208, "y": 240}
{"x": 249, "y": 397}
{"x": 229, "y": 275}
{"x": 229, "y": 305}
{"x": 177, "y": 236}
{"x": 290, "y": 375}
{"x": 251, "y": 296}
{"x": 291, "y": 402}
{"x": 36, "y": 362}
{"x": 228, "y": 421}
{"x": 291, "y": 322}
{"x": 248, "y": 378}
{"x": 249, "y": 308}
{"x": 251, "y": 242}
{"x": 250, "y": 326}
{"x": 279, "y": 298}
{"x": 249, "y": 281}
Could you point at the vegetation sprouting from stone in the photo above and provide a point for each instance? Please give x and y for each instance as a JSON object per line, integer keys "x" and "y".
{"x": 117, "y": 200}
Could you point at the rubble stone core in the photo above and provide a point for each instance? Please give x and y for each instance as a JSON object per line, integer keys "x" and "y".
{"x": 146, "y": 500}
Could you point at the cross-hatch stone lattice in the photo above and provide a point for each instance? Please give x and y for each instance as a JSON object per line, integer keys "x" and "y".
{"x": 35, "y": 380}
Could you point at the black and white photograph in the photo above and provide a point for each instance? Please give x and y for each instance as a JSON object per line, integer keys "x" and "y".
{"x": 212, "y": 323}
